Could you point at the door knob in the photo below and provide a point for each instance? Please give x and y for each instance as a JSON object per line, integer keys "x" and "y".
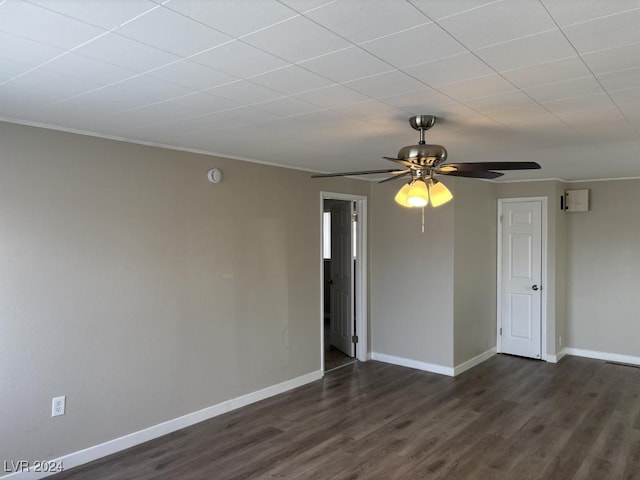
{"x": 535, "y": 287}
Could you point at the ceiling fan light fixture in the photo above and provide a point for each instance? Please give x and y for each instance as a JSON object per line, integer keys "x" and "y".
{"x": 439, "y": 193}
{"x": 418, "y": 194}
{"x": 422, "y": 161}
{"x": 402, "y": 195}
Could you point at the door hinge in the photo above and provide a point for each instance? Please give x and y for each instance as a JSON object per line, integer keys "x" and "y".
{"x": 354, "y": 339}
{"x": 500, "y": 330}
{"x": 500, "y": 218}
{"x": 354, "y": 217}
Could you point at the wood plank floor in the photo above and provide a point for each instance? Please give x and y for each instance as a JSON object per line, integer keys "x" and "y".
{"x": 508, "y": 418}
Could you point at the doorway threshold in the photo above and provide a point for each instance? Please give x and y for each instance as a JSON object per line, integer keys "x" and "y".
{"x": 334, "y": 358}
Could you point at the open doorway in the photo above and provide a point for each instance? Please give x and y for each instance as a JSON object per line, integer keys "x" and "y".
{"x": 343, "y": 331}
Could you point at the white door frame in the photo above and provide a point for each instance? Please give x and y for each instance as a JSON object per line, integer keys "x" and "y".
{"x": 543, "y": 293}
{"x": 361, "y": 273}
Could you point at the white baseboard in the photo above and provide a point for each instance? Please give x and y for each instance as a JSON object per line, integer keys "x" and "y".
{"x": 407, "y": 362}
{"x": 610, "y": 357}
{"x": 112, "y": 446}
{"x": 478, "y": 359}
{"x": 557, "y": 357}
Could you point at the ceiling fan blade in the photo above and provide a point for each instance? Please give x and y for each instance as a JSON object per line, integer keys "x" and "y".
{"x": 400, "y": 161}
{"x": 395, "y": 176}
{"x": 361, "y": 172}
{"x": 472, "y": 174}
{"x": 475, "y": 166}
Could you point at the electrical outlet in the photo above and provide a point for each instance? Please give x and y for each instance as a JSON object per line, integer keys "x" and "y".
{"x": 560, "y": 341}
{"x": 58, "y": 406}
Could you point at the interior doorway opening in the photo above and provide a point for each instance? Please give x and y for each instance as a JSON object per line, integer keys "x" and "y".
{"x": 522, "y": 274}
{"x": 343, "y": 265}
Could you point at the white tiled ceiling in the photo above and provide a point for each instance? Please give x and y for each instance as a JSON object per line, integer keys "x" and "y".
{"x": 556, "y": 81}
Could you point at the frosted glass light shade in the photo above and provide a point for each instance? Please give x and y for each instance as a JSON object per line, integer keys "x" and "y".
{"x": 401, "y": 196}
{"x": 418, "y": 195}
{"x": 439, "y": 193}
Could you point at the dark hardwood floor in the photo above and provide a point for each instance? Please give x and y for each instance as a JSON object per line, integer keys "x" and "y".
{"x": 508, "y": 418}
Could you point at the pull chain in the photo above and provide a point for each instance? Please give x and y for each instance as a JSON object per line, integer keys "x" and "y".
{"x": 422, "y": 219}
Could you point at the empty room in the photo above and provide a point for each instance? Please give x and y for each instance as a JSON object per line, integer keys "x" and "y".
{"x": 319, "y": 239}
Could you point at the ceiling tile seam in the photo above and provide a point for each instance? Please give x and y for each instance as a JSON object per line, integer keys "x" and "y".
{"x": 472, "y": 52}
{"x": 323, "y": 55}
{"x": 460, "y": 102}
{"x": 211, "y": 89}
{"x": 392, "y": 34}
{"x": 195, "y": 92}
{"x": 155, "y": 47}
{"x": 133, "y": 76}
{"x": 446, "y": 57}
{"x": 465, "y": 11}
{"x": 300, "y": 65}
{"x": 454, "y": 100}
{"x": 564, "y": 99}
{"x": 402, "y": 70}
{"x": 582, "y": 22}
{"x": 177, "y": 60}
{"x": 497, "y": 94}
{"x": 625, "y": 89}
{"x": 44, "y": 7}
{"x": 504, "y": 42}
{"x": 243, "y": 36}
{"x": 311, "y": 9}
{"x": 179, "y": 121}
{"x": 109, "y": 85}
{"x": 205, "y": 91}
{"x": 51, "y": 59}
{"x": 293, "y": 97}
{"x": 159, "y": 102}
{"x": 219, "y": 112}
{"x": 591, "y": 52}
{"x": 559, "y": 82}
{"x": 458, "y": 82}
{"x": 393, "y": 67}
{"x": 106, "y": 32}
{"x": 210, "y": 92}
{"x": 345, "y": 84}
{"x": 167, "y": 6}
{"x": 633, "y": 126}
{"x": 548, "y": 62}
{"x": 287, "y": 62}
{"x": 241, "y": 40}
{"x": 180, "y": 57}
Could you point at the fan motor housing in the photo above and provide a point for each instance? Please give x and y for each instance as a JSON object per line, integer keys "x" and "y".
{"x": 428, "y": 155}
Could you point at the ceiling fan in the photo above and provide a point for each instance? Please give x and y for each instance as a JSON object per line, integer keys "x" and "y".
{"x": 422, "y": 161}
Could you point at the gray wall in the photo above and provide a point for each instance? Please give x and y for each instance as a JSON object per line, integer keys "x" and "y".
{"x": 474, "y": 268}
{"x": 141, "y": 291}
{"x": 411, "y": 279}
{"x": 603, "y": 274}
{"x": 433, "y": 294}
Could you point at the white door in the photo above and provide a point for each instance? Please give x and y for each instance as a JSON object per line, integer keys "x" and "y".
{"x": 521, "y": 273}
{"x": 341, "y": 310}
